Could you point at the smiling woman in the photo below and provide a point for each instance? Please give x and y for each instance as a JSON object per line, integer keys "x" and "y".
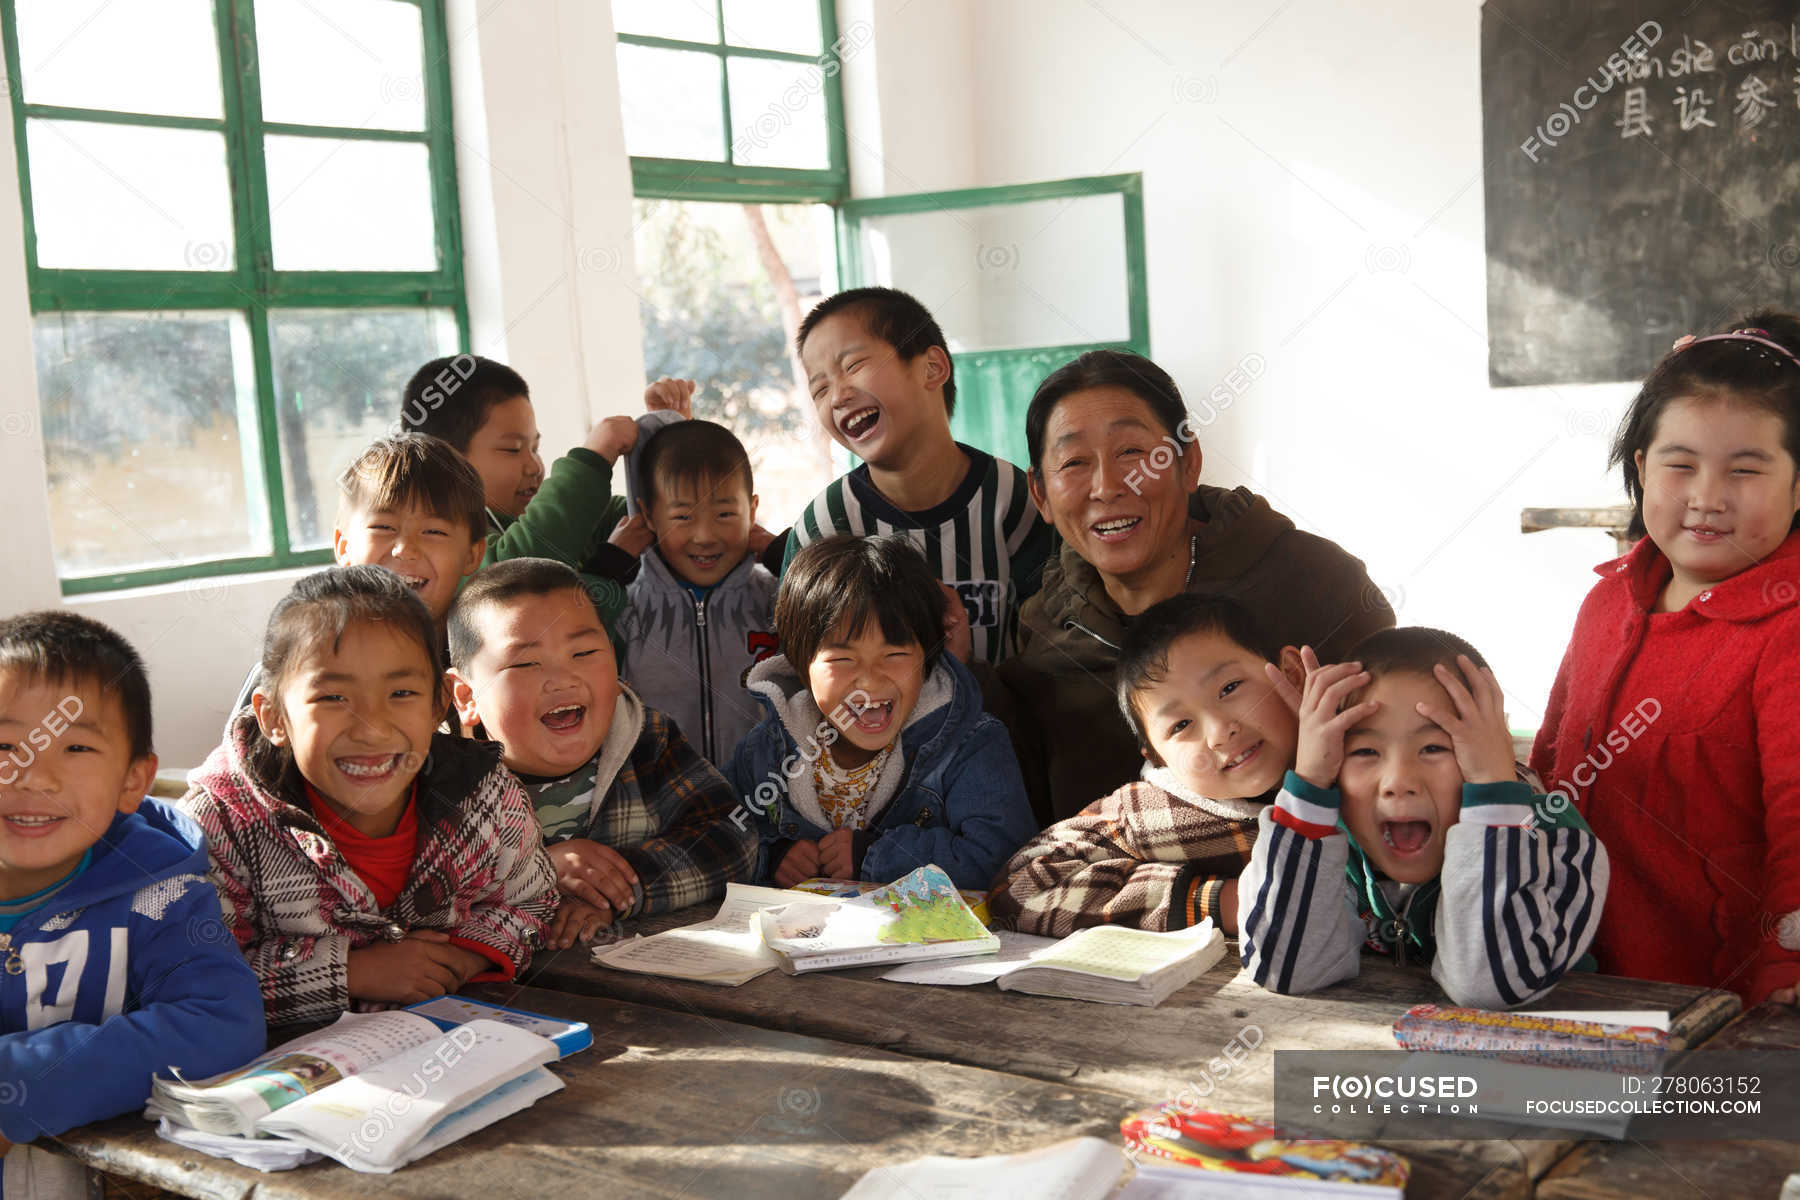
{"x": 1115, "y": 465}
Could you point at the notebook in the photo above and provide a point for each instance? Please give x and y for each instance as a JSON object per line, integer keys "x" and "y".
{"x": 1114, "y": 964}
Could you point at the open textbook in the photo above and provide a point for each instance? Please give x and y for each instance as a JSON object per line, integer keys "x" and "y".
{"x": 1108, "y": 964}
{"x": 920, "y": 915}
{"x": 374, "y": 1090}
{"x": 726, "y": 950}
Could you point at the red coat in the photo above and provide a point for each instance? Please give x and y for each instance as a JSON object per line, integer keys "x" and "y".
{"x": 1678, "y": 737}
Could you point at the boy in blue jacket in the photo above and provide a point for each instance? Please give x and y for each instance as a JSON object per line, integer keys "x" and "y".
{"x": 114, "y": 965}
{"x": 875, "y": 758}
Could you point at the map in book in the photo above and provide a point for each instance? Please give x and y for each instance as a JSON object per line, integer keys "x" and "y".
{"x": 927, "y": 908}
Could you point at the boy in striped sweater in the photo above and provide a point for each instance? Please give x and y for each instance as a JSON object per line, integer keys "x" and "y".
{"x": 883, "y": 386}
{"x": 1165, "y": 851}
{"x": 1404, "y": 787}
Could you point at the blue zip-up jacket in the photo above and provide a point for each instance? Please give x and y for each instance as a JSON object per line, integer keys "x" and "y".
{"x": 951, "y": 795}
{"x": 128, "y": 972}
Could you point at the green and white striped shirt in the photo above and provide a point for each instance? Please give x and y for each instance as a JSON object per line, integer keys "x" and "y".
{"x": 986, "y": 541}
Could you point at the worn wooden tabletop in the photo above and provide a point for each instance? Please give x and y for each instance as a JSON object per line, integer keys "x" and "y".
{"x": 1702, "y": 1170}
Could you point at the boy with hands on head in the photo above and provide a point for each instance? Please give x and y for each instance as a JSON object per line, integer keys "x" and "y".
{"x": 1404, "y": 786}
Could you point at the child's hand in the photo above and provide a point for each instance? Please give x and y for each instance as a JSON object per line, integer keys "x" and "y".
{"x": 836, "y": 859}
{"x": 420, "y": 966}
{"x": 800, "y": 862}
{"x": 594, "y": 873}
{"x": 1786, "y": 995}
{"x": 759, "y": 540}
{"x": 576, "y": 919}
{"x": 633, "y": 535}
{"x": 675, "y": 395}
{"x": 612, "y": 437}
{"x": 958, "y": 639}
{"x": 1320, "y": 754}
{"x": 1477, "y": 729}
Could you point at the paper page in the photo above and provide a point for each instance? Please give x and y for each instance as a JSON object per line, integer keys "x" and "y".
{"x": 1084, "y": 1168}
{"x": 1015, "y": 950}
{"x": 1654, "y": 1018}
{"x": 725, "y": 949}
{"x": 259, "y": 1153}
{"x": 1118, "y": 952}
{"x": 498, "y": 1104}
{"x": 375, "y": 1118}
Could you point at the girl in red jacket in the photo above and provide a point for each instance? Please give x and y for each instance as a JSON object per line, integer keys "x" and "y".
{"x": 1674, "y": 723}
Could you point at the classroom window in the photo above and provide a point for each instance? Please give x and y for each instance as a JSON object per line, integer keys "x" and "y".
{"x": 732, "y": 114}
{"x": 241, "y": 237}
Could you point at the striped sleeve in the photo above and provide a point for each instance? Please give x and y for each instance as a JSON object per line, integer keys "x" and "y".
{"x": 1521, "y": 899}
{"x": 1299, "y": 930}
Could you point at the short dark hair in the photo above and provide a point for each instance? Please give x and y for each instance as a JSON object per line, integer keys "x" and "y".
{"x": 451, "y": 397}
{"x": 704, "y": 452}
{"x": 416, "y": 469}
{"x": 1144, "y": 652}
{"x": 892, "y": 316}
{"x": 844, "y": 580}
{"x": 506, "y": 580}
{"x": 60, "y": 647}
{"x": 1411, "y": 650}
{"x": 317, "y": 611}
{"x": 1746, "y": 371}
{"x": 1106, "y": 368}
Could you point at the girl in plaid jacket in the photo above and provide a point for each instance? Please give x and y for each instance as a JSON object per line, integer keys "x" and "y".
{"x": 364, "y": 859}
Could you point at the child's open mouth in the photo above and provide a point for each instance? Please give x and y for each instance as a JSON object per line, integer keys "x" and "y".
{"x": 415, "y": 582}
{"x": 1705, "y": 533}
{"x": 874, "y": 718}
{"x": 369, "y": 768}
{"x": 1115, "y": 529}
{"x": 860, "y": 423}
{"x": 1242, "y": 757}
{"x": 32, "y": 824}
{"x": 1406, "y": 838}
{"x": 705, "y": 562}
{"x": 564, "y": 719}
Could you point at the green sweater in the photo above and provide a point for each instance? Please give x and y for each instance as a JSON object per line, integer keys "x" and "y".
{"x": 569, "y": 519}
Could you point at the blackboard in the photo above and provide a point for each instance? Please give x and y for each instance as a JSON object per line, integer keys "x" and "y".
{"x": 1642, "y": 175}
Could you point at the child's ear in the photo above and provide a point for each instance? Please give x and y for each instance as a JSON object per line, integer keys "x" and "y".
{"x": 472, "y": 561}
{"x": 753, "y": 499}
{"x": 462, "y": 698}
{"x": 1292, "y": 666}
{"x": 340, "y": 547}
{"x": 136, "y": 784}
{"x": 268, "y": 717}
{"x": 937, "y": 366}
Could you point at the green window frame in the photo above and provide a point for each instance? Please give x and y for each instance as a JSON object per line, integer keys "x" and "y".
{"x": 728, "y": 181}
{"x": 993, "y": 385}
{"x": 253, "y": 287}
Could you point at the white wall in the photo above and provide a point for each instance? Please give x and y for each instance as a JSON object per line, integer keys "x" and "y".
{"x": 546, "y": 199}
{"x": 1312, "y": 195}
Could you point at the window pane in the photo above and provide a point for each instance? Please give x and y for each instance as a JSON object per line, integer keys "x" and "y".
{"x": 128, "y": 197}
{"x": 689, "y": 20}
{"x": 149, "y": 438}
{"x": 1042, "y": 273}
{"x": 777, "y": 114}
{"x": 350, "y": 206}
{"x": 773, "y": 24}
{"x": 671, "y": 103}
{"x": 352, "y": 63}
{"x": 713, "y": 311}
{"x": 339, "y": 374}
{"x": 152, "y": 56}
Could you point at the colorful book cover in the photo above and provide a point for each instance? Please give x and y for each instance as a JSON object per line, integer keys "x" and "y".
{"x": 849, "y": 889}
{"x": 1177, "y": 1135}
{"x": 1533, "y": 1040}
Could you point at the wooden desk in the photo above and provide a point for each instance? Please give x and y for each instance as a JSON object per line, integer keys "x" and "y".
{"x": 1145, "y": 1053}
{"x": 1631, "y": 1170}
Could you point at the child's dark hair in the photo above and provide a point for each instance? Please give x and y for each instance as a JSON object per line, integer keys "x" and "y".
{"x": 892, "y": 316}
{"x": 1100, "y": 369}
{"x": 1144, "y": 653}
{"x": 416, "y": 470}
{"x": 1740, "y": 368}
{"x": 451, "y": 397}
{"x": 504, "y": 581}
{"x": 1411, "y": 650}
{"x": 61, "y": 647}
{"x": 702, "y": 452}
{"x": 317, "y": 611}
{"x": 844, "y": 580}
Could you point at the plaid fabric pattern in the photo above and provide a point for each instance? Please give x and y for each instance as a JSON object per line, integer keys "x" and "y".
{"x": 297, "y": 909}
{"x": 669, "y": 814}
{"x": 1141, "y": 857}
